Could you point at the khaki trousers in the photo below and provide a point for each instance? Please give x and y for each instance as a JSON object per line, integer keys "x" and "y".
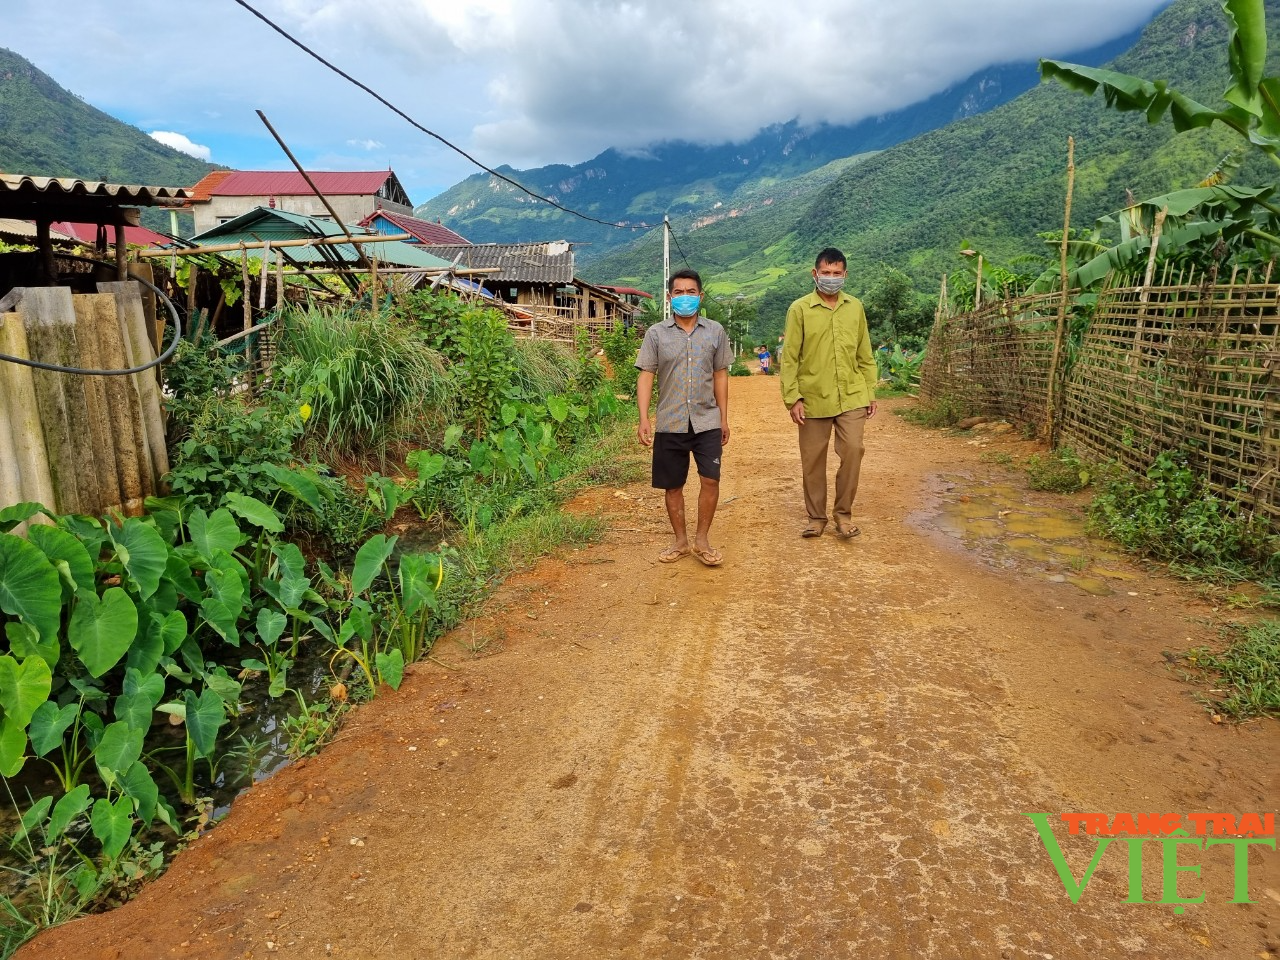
{"x": 815, "y": 436}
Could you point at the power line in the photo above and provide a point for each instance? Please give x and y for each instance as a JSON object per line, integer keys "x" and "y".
{"x": 431, "y": 133}
{"x": 680, "y": 249}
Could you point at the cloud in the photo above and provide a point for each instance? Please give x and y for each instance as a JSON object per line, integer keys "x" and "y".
{"x": 182, "y": 143}
{"x": 532, "y": 82}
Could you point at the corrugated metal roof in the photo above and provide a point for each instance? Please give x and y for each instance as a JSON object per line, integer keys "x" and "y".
{"x": 518, "y": 262}
{"x": 24, "y": 232}
{"x": 28, "y": 187}
{"x": 87, "y": 233}
{"x": 623, "y": 291}
{"x": 289, "y": 183}
{"x": 264, "y": 223}
{"x": 423, "y": 230}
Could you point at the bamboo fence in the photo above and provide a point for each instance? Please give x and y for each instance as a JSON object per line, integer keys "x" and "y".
{"x": 1186, "y": 363}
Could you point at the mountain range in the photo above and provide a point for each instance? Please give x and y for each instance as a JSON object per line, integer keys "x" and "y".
{"x": 993, "y": 182}
{"x": 707, "y": 183}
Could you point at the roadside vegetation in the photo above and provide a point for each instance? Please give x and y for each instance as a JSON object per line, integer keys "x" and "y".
{"x": 319, "y": 536}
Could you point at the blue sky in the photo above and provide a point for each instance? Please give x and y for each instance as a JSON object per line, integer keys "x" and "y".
{"x": 524, "y": 82}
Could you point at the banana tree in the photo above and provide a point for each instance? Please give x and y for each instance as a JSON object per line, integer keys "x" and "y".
{"x": 1252, "y": 106}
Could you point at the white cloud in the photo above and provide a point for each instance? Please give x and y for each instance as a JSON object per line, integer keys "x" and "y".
{"x": 180, "y": 142}
{"x": 530, "y": 82}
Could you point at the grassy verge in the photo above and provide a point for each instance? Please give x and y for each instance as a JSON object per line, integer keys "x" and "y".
{"x": 1244, "y": 677}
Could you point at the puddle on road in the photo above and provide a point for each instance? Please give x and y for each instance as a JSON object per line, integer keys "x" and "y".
{"x": 996, "y": 521}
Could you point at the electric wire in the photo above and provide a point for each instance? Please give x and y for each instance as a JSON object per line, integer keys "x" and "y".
{"x": 431, "y": 133}
{"x": 85, "y": 372}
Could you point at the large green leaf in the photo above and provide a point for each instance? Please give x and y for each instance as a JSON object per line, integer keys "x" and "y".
{"x": 137, "y": 704}
{"x": 178, "y": 572}
{"x": 62, "y": 548}
{"x": 32, "y": 818}
{"x": 25, "y": 641}
{"x": 10, "y": 517}
{"x": 117, "y": 750}
{"x": 49, "y": 723}
{"x": 390, "y": 668}
{"x": 30, "y": 587}
{"x": 558, "y": 407}
{"x": 225, "y": 604}
{"x": 255, "y": 511}
{"x": 23, "y": 687}
{"x": 72, "y": 804}
{"x": 101, "y": 630}
{"x": 1246, "y": 52}
{"x": 270, "y": 625}
{"x": 418, "y": 575}
{"x": 13, "y": 747}
{"x": 139, "y": 784}
{"x": 291, "y": 586}
{"x": 369, "y": 561}
{"x": 205, "y": 716}
{"x": 143, "y": 552}
{"x": 300, "y": 483}
{"x": 217, "y": 532}
{"x": 112, "y": 824}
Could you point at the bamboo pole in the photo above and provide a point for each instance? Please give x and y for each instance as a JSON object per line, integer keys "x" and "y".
{"x": 132, "y": 461}
{"x": 122, "y": 254}
{"x": 24, "y": 454}
{"x": 258, "y": 245}
{"x": 1051, "y": 405}
{"x": 1145, "y": 296}
{"x": 49, "y": 320}
{"x": 99, "y": 449}
{"x": 364, "y": 262}
{"x": 977, "y": 287}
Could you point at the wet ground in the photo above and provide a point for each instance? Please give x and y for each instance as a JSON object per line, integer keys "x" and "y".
{"x": 821, "y": 749}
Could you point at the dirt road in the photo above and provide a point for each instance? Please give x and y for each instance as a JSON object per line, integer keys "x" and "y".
{"x": 821, "y": 749}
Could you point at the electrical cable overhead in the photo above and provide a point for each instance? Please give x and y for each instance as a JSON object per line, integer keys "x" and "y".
{"x": 431, "y": 133}
{"x": 680, "y": 250}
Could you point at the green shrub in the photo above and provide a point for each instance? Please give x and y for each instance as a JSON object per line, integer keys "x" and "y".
{"x": 942, "y": 412}
{"x": 621, "y": 345}
{"x": 1060, "y": 471}
{"x": 363, "y": 373}
{"x": 1171, "y": 515}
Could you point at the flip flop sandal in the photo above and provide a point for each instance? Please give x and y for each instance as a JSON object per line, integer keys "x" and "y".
{"x": 672, "y": 554}
{"x": 847, "y": 533}
{"x": 812, "y": 531}
{"x": 709, "y": 558}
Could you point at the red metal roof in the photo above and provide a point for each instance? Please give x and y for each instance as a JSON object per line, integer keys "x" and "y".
{"x": 87, "y": 233}
{"x": 424, "y": 231}
{"x": 623, "y": 291}
{"x": 289, "y": 183}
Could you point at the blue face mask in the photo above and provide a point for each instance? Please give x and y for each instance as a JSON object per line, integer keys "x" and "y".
{"x": 686, "y": 305}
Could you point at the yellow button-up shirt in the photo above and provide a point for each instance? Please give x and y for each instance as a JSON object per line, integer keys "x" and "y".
{"x": 826, "y": 356}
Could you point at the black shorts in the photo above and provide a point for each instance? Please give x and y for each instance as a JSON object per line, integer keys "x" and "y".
{"x": 671, "y": 457}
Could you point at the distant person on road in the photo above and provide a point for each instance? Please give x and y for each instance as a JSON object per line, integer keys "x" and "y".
{"x": 828, "y": 376}
{"x": 763, "y": 354}
{"x": 690, "y": 355}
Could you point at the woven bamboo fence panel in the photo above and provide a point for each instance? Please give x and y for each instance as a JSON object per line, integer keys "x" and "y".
{"x": 994, "y": 360}
{"x": 1187, "y": 365}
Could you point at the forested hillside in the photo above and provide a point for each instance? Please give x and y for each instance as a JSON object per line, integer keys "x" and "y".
{"x": 48, "y": 131}
{"x": 994, "y": 181}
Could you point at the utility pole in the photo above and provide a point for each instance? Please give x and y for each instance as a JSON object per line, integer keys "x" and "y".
{"x": 666, "y": 266}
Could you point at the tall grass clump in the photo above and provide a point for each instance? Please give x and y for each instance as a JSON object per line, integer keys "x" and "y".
{"x": 363, "y": 372}
{"x": 543, "y": 368}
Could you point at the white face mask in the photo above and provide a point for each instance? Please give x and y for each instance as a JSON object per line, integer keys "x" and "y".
{"x": 829, "y": 285}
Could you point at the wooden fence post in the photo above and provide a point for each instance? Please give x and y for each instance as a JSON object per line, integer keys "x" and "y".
{"x": 1051, "y": 404}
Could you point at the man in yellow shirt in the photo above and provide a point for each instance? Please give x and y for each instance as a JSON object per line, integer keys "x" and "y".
{"x": 828, "y": 375}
